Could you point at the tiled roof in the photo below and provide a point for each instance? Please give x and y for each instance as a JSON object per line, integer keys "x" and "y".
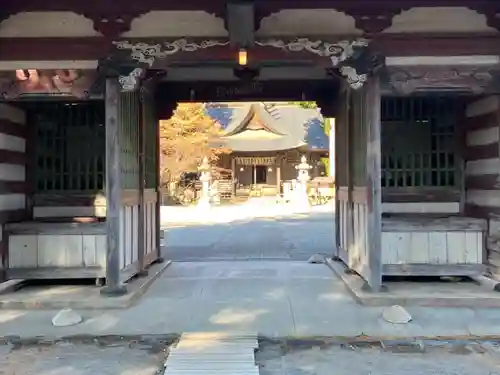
{"x": 298, "y": 126}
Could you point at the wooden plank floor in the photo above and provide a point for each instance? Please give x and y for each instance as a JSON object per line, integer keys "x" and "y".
{"x": 212, "y": 353}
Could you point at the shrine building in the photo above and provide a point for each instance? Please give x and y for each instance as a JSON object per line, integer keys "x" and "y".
{"x": 266, "y": 141}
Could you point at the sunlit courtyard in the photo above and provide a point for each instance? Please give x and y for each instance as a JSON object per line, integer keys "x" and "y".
{"x": 258, "y": 229}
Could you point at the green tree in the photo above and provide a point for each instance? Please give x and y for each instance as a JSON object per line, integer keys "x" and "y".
{"x": 306, "y": 105}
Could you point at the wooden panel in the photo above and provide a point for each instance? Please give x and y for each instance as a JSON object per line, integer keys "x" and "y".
{"x": 152, "y": 227}
{"x": 343, "y": 193}
{"x": 408, "y": 195}
{"x": 389, "y": 248}
{"x": 135, "y": 233}
{"x": 437, "y": 248}
{"x": 344, "y": 207}
{"x": 433, "y": 269}
{"x": 89, "y": 249}
{"x": 129, "y": 229}
{"x": 421, "y": 208}
{"x": 358, "y": 252}
{"x": 457, "y": 247}
{"x": 419, "y": 247}
{"x": 69, "y": 212}
{"x": 400, "y": 223}
{"x": 432, "y": 248}
{"x": 60, "y": 250}
{"x": 101, "y": 251}
{"x": 23, "y": 251}
{"x": 56, "y": 252}
{"x": 34, "y": 227}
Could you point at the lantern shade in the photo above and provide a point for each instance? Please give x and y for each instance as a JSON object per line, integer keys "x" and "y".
{"x": 242, "y": 57}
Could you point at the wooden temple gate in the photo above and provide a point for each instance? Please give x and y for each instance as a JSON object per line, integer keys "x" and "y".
{"x": 369, "y": 52}
{"x": 131, "y": 182}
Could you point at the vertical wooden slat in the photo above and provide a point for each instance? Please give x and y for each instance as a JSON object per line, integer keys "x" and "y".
{"x": 141, "y": 148}
{"x": 341, "y": 176}
{"x": 113, "y": 189}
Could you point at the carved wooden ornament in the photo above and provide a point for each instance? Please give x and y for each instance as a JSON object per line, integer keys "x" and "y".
{"x": 342, "y": 55}
{"x": 467, "y": 79}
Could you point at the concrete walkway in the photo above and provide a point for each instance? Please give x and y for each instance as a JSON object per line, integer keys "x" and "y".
{"x": 271, "y": 298}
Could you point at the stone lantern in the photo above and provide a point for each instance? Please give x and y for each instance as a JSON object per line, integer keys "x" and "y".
{"x": 300, "y": 194}
{"x": 205, "y": 178}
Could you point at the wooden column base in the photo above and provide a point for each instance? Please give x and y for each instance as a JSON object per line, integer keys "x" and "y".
{"x": 114, "y": 290}
{"x": 381, "y": 289}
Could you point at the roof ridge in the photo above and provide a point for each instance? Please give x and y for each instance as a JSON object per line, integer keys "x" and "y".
{"x": 273, "y": 110}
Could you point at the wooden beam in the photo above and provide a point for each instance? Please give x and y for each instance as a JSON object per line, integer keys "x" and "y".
{"x": 94, "y": 48}
{"x": 374, "y": 190}
{"x": 93, "y": 7}
{"x": 113, "y": 190}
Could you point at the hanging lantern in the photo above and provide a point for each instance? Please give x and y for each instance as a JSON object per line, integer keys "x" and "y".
{"x": 243, "y": 57}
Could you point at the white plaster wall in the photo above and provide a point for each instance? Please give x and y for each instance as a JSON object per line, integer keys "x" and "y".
{"x": 302, "y": 22}
{"x": 46, "y": 25}
{"x": 439, "y": 19}
{"x": 287, "y": 22}
{"x": 177, "y": 24}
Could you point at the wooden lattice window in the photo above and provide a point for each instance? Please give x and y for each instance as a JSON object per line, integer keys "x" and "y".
{"x": 151, "y": 168}
{"x": 69, "y": 147}
{"x": 129, "y": 140}
{"x": 418, "y": 142}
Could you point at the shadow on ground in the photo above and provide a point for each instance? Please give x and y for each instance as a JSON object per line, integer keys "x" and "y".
{"x": 294, "y": 237}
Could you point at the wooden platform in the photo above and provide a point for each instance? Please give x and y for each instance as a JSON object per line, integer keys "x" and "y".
{"x": 40, "y": 250}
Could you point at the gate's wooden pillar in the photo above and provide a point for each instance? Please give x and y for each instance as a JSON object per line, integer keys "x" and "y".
{"x": 358, "y": 182}
{"x": 373, "y": 184}
{"x": 141, "y": 233}
{"x": 329, "y": 111}
{"x": 113, "y": 285}
{"x": 339, "y": 109}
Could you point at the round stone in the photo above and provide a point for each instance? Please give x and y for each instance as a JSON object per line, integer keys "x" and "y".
{"x": 396, "y": 315}
{"x": 316, "y": 259}
{"x": 65, "y": 318}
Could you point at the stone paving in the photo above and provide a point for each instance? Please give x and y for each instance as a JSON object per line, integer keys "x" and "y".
{"x": 271, "y": 298}
{"x": 291, "y": 236}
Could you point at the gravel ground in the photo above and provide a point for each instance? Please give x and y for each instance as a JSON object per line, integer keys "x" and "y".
{"x": 273, "y": 359}
{"x": 335, "y": 360}
{"x": 75, "y": 359}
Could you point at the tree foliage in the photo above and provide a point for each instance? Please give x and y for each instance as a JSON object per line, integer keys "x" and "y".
{"x": 185, "y": 139}
{"x": 306, "y": 105}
